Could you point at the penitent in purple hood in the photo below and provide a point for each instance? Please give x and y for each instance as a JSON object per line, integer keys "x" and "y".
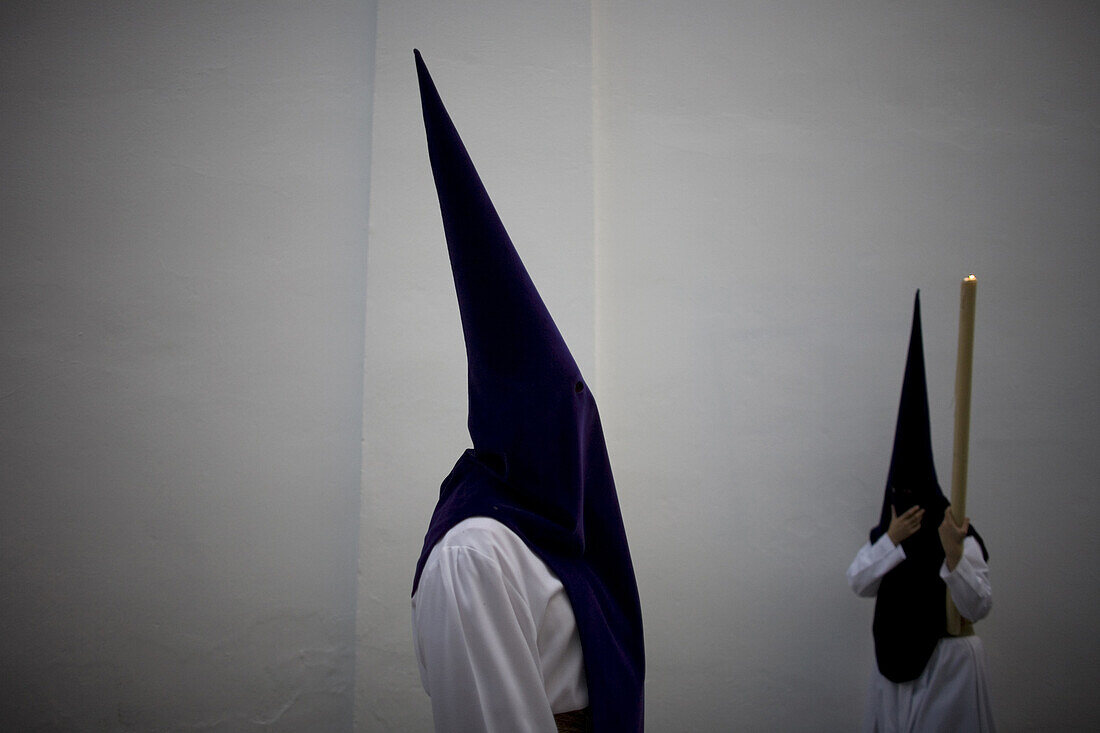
{"x": 539, "y": 463}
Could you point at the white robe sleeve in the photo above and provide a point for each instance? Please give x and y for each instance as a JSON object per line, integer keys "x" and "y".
{"x": 969, "y": 582}
{"x": 494, "y": 635}
{"x": 871, "y": 563}
{"x": 478, "y": 662}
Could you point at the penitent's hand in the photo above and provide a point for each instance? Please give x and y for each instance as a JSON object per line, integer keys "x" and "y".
{"x": 906, "y": 525}
{"x": 951, "y": 537}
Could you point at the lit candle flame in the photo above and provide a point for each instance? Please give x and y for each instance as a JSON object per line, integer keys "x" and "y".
{"x": 970, "y": 277}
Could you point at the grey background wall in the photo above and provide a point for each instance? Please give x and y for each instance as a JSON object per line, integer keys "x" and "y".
{"x": 232, "y": 368}
{"x": 775, "y": 181}
{"x": 181, "y": 285}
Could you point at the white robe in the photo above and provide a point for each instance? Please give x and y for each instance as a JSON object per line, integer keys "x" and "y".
{"x": 952, "y": 693}
{"x": 494, "y": 634}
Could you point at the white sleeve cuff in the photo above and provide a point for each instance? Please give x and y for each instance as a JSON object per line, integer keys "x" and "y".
{"x": 969, "y": 582}
{"x": 871, "y": 563}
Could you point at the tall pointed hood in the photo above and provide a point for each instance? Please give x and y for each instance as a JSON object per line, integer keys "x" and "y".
{"x": 539, "y": 463}
{"x": 529, "y": 406}
{"x": 910, "y": 616}
{"x": 911, "y": 478}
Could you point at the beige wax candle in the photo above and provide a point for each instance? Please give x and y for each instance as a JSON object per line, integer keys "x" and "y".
{"x": 963, "y": 372}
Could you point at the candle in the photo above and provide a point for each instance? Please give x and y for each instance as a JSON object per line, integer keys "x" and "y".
{"x": 963, "y": 372}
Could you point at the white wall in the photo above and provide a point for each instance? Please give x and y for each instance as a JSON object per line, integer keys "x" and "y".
{"x": 182, "y": 258}
{"x": 774, "y": 181}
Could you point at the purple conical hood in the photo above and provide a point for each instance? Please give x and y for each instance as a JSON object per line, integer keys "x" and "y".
{"x": 912, "y": 475}
{"x": 529, "y": 406}
{"x": 539, "y": 463}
